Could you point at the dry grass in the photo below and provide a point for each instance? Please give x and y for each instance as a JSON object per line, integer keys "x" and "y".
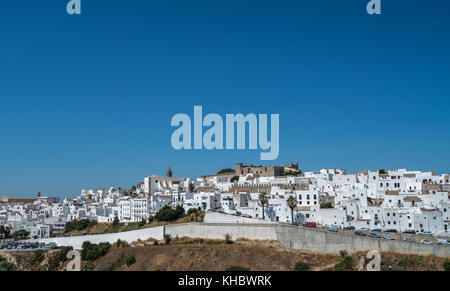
{"x": 211, "y": 255}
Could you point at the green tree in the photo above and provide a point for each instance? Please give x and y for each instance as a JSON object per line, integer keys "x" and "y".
{"x": 263, "y": 199}
{"x": 326, "y": 205}
{"x": 91, "y": 252}
{"x": 82, "y": 224}
{"x": 227, "y": 170}
{"x": 21, "y": 234}
{"x": 234, "y": 178}
{"x": 4, "y": 232}
{"x": 168, "y": 214}
{"x": 228, "y": 239}
{"x": 292, "y": 203}
{"x": 167, "y": 239}
{"x": 191, "y": 187}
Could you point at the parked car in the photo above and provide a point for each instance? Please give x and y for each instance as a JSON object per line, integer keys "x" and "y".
{"x": 333, "y": 229}
{"x": 376, "y": 230}
{"x": 407, "y": 239}
{"x": 388, "y": 237}
{"x": 425, "y": 233}
{"x": 310, "y": 224}
{"x": 410, "y": 231}
{"x": 391, "y": 230}
{"x": 441, "y": 241}
{"x": 426, "y": 242}
{"x": 350, "y": 227}
{"x": 373, "y": 235}
{"x": 359, "y": 233}
{"x": 364, "y": 229}
{"x": 295, "y": 223}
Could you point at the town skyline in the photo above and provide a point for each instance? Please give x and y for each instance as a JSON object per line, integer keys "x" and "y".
{"x": 87, "y": 100}
{"x": 32, "y": 194}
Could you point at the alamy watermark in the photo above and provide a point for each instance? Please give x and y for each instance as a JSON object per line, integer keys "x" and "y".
{"x": 74, "y": 7}
{"x": 374, "y": 7}
{"x": 213, "y": 137}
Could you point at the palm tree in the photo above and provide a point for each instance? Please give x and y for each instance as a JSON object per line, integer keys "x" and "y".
{"x": 264, "y": 200}
{"x": 292, "y": 203}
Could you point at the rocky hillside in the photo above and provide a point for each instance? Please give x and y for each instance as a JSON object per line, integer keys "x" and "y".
{"x": 182, "y": 254}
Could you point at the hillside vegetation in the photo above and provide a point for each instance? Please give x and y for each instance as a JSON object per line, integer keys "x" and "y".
{"x": 165, "y": 216}
{"x": 186, "y": 254}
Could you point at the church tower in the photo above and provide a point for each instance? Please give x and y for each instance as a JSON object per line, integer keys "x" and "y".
{"x": 169, "y": 173}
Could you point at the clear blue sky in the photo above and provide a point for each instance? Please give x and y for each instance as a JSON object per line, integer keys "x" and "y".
{"x": 86, "y": 101}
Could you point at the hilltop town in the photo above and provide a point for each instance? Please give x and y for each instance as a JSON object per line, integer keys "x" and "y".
{"x": 395, "y": 201}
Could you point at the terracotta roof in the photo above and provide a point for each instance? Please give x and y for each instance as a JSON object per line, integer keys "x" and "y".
{"x": 303, "y": 208}
{"x": 412, "y": 198}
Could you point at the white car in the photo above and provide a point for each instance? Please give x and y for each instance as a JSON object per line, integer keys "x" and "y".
{"x": 426, "y": 242}
{"x": 441, "y": 241}
{"x": 426, "y": 233}
{"x": 388, "y": 237}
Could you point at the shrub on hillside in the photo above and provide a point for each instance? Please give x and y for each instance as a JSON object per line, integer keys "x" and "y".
{"x": 79, "y": 225}
{"x": 167, "y": 239}
{"x": 87, "y": 267}
{"x": 91, "y": 252}
{"x": 62, "y": 254}
{"x": 121, "y": 244}
{"x": 228, "y": 239}
{"x": 301, "y": 266}
{"x": 142, "y": 223}
{"x": 192, "y": 210}
{"x": 345, "y": 263}
{"x": 446, "y": 265}
{"x": 6, "y": 266}
{"x": 37, "y": 257}
{"x": 130, "y": 260}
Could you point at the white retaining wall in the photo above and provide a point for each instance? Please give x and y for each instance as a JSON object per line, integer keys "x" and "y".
{"x": 128, "y": 236}
{"x": 215, "y": 217}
